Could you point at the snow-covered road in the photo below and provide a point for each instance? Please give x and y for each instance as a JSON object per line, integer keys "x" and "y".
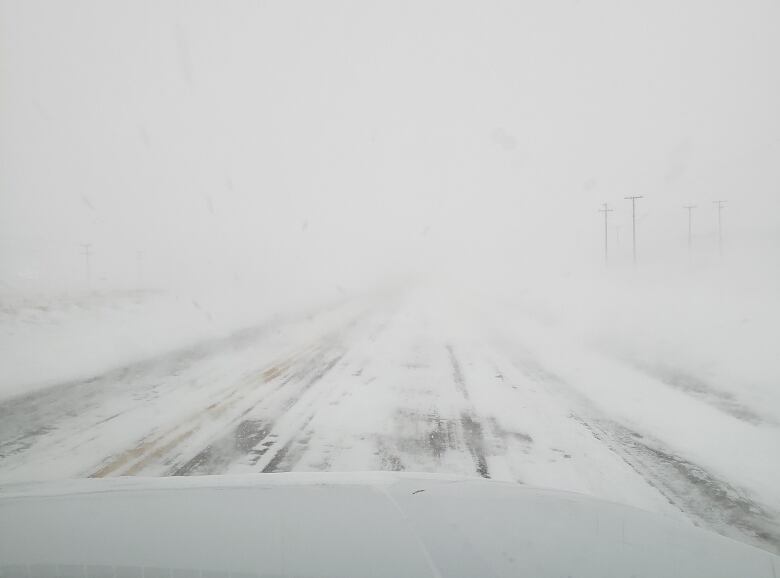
{"x": 420, "y": 382}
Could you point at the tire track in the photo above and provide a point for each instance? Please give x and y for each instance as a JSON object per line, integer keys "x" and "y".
{"x": 291, "y": 451}
{"x": 473, "y": 434}
{"x": 457, "y": 373}
{"x": 276, "y": 457}
{"x": 216, "y": 457}
{"x": 27, "y": 418}
{"x": 702, "y": 391}
{"x": 69, "y": 418}
{"x": 253, "y": 425}
{"x": 234, "y": 402}
{"x": 706, "y": 499}
{"x": 475, "y": 442}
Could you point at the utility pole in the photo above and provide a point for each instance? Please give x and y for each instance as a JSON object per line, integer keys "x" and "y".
{"x": 633, "y": 220}
{"x": 606, "y": 210}
{"x": 720, "y": 226}
{"x": 690, "y": 237}
{"x": 86, "y": 250}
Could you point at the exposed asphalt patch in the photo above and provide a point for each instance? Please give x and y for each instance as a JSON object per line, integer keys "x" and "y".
{"x": 289, "y": 454}
{"x": 457, "y": 373}
{"x": 218, "y": 455}
{"x": 701, "y": 390}
{"x": 504, "y": 434}
{"x": 475, "y": 442}
{"x": 708, "y": 500}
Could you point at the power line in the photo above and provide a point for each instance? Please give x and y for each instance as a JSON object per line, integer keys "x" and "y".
{"x": 633, "y": 220}
{"x": 606, "y": 210}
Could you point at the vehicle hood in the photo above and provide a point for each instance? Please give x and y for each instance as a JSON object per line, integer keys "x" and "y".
{"x": 347, "y": 525}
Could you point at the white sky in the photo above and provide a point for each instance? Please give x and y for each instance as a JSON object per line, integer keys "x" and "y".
{"x": 342, "y": 141}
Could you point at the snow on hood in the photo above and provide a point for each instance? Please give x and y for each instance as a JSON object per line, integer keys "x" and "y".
{"x": 346, "y": 524}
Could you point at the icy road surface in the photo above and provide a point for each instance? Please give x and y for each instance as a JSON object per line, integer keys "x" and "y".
{"x": 418, "y": 383}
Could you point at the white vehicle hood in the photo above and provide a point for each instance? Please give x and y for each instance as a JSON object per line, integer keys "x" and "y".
{"x": 347, "y": 525}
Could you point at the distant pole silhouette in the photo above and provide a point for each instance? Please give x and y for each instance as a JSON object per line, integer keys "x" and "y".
{"x": 720, "y": 226}
{"x": 690, "y": 236}
{"x": 633, "y": 220}
{"x": 606, "y": 210}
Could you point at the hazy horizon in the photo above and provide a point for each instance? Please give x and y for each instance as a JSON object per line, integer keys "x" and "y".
{"x": 344, "y": 142}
